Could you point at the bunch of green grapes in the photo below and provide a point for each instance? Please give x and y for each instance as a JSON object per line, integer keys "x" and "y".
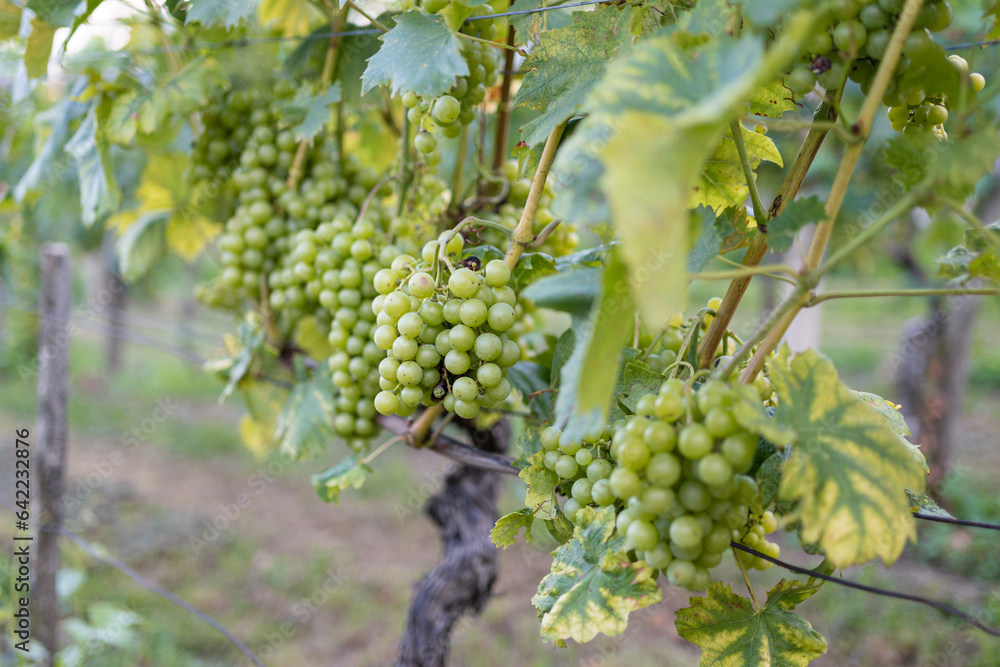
{"x": 225, "y": 131}
{"x": 442, "y": 322}
{"x": 853, "y": 41}
{"x": 921, "y": 111}
{"x": 447, "y": 114}
{"x": 676, "y": 472}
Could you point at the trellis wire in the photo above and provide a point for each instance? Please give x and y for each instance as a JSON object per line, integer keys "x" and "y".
{"x": 940, "y": 606}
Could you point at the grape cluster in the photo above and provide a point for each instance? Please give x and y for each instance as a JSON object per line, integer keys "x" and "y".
{"x": 447, "y": 114}
{"x": 445, "y": 339}
{"x": 920, "y": 111}
{"x": 676, "y": 471}
{"x": 853, "y": 43}
{"x": 217, "y": 148}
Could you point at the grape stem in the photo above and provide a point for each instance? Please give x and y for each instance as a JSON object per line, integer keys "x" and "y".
{"x": 499, "y": 45}
{"x": 371, "y": 19}
{"x": 746, "y": 578}
{"x": 544, "y": 234}
{"x": 523, "y": 235}
{"x": 759, "y": 212}
{"x": 791, "y": 125}
{"x": 418, "y": 430}
{"x": 848, "y": 164}
{"x": 758, "y": 246}
{"x": 297, "y": 168}
{"x": 384, "y": 446}
{"x": 957, "y": 291}
{"x": 456, "y": 175}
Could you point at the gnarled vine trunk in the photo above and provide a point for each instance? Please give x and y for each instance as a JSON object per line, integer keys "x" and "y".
{"x": 465, "y": 511}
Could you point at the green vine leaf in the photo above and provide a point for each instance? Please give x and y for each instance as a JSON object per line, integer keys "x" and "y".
{"x": 593, "y": 586}
{"x": 587, "y": 379}
{"x": 38, "y": 48}
{"x": 635, "y": 382}
{"x": 771, "y": 100}
{"x": 350, "y": 473}
{"x": 142, "y": 245}
{"x": 717, "y": 235}
{"x": 57, "y": 13}
{"x": 566, "y": 65}
{"x": 751, "y": 415}
{"x": 848, "y": 470}
{"x": 920, "y": 503}
{"x": 731, "y": 633}
{"x": 951, "y": 166}
{"x": 505, "y": 532}
{"x": 540, "y": 494}
{"x": 227, "y": 13}
{"x": 572, "y": 292}
{"x": 90, "y": 154}
{"x": 977, "y": 258}
{"x": 798, "y": 213}
{"x": 420, "y": 54}
{"x": 722, "y": 183}
{"x": 306, "y": 423}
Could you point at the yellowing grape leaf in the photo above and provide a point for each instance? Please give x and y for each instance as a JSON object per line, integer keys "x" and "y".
{"x": 10, "y": 19}
{"x": 650, "y": 210}
{"x": 731, "y": 633}
{"x": 540, "y": 494}
{"x": 896, "y": 422}
{"x": 306, "y": 423}
{"x": 350, "y": 473}
{"x": 593, "y": 586}
{"x": 293, "y": 17}
{"x": 420, "y": 54}
{"x": 848, "y": 470}
{"x": 750, "y": 414}
{"x": 994, "y": 12}
{"x": 505, "y": 532}
{"x": 566, "y": 64}
{"x": 771, "y": 100}
{"x": 256, "y": 436}
{"x": 722, "y": 183}
{"x": 38, "y": 48}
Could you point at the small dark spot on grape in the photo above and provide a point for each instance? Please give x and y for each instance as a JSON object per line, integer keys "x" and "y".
{"x": 472, "y": 262}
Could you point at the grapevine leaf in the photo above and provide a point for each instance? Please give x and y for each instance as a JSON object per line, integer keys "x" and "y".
{"x": 529, "y": 444}
{"x": 722, "y": 183}
{"x": 922, "y": 504}
{"x": 529, "y": 26}
{"x": 561, "y": 354}
{"x": 790, "y": 594}
{"x": 593, "y": 586}
{"x": 750, "y": 414}
{"x": 977, "y": 258}
{"x": 771, "y": 100}
{"x": 994, "y": 31}
{"x": 38, "y": 48}
{"x": 91, "y": 155}
{"x": 847, "y": 469}
{"x": 349, "y": 473}
{"x": 768, "y": 475}
{"x": 717, "y": 235}
{"x": 54, "y": 122}
{"x": 256, "y": 436}
{"x": 227, "y": 13}
{"x": 306, "y": 423}
{"x": 571, "y": 292}
{"x": 142, "y": 245}
{"x": 540, "y": 494}
{"x": 635, "y": 382}
{"x": 528, "y": 378}
{"x": 531, "y": 267}
{"x": 577, "y": 172}
{"x": 420, "y": 54}
{"x": 311, "y": 339}
{"x": 798, "y": 213}
{"x": 251, "y": 340}
{"x": 317, "y": 114}
{"x": 293, "y": 17}
{"x": 560, "y": 528}
{"x": 587, "y": 380}
{"x": 896, "y": 422}
{"x": 10, "y": 19}
{"x": 57, "y": 13}
{"x": 952, "y": 167}
{"x": 655, "y": 14}
{"x": 504, "y": 533}
{"x": 566, "y": 64}
{"x": 589, "y": 257}
{"x": 731, "y": 633}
